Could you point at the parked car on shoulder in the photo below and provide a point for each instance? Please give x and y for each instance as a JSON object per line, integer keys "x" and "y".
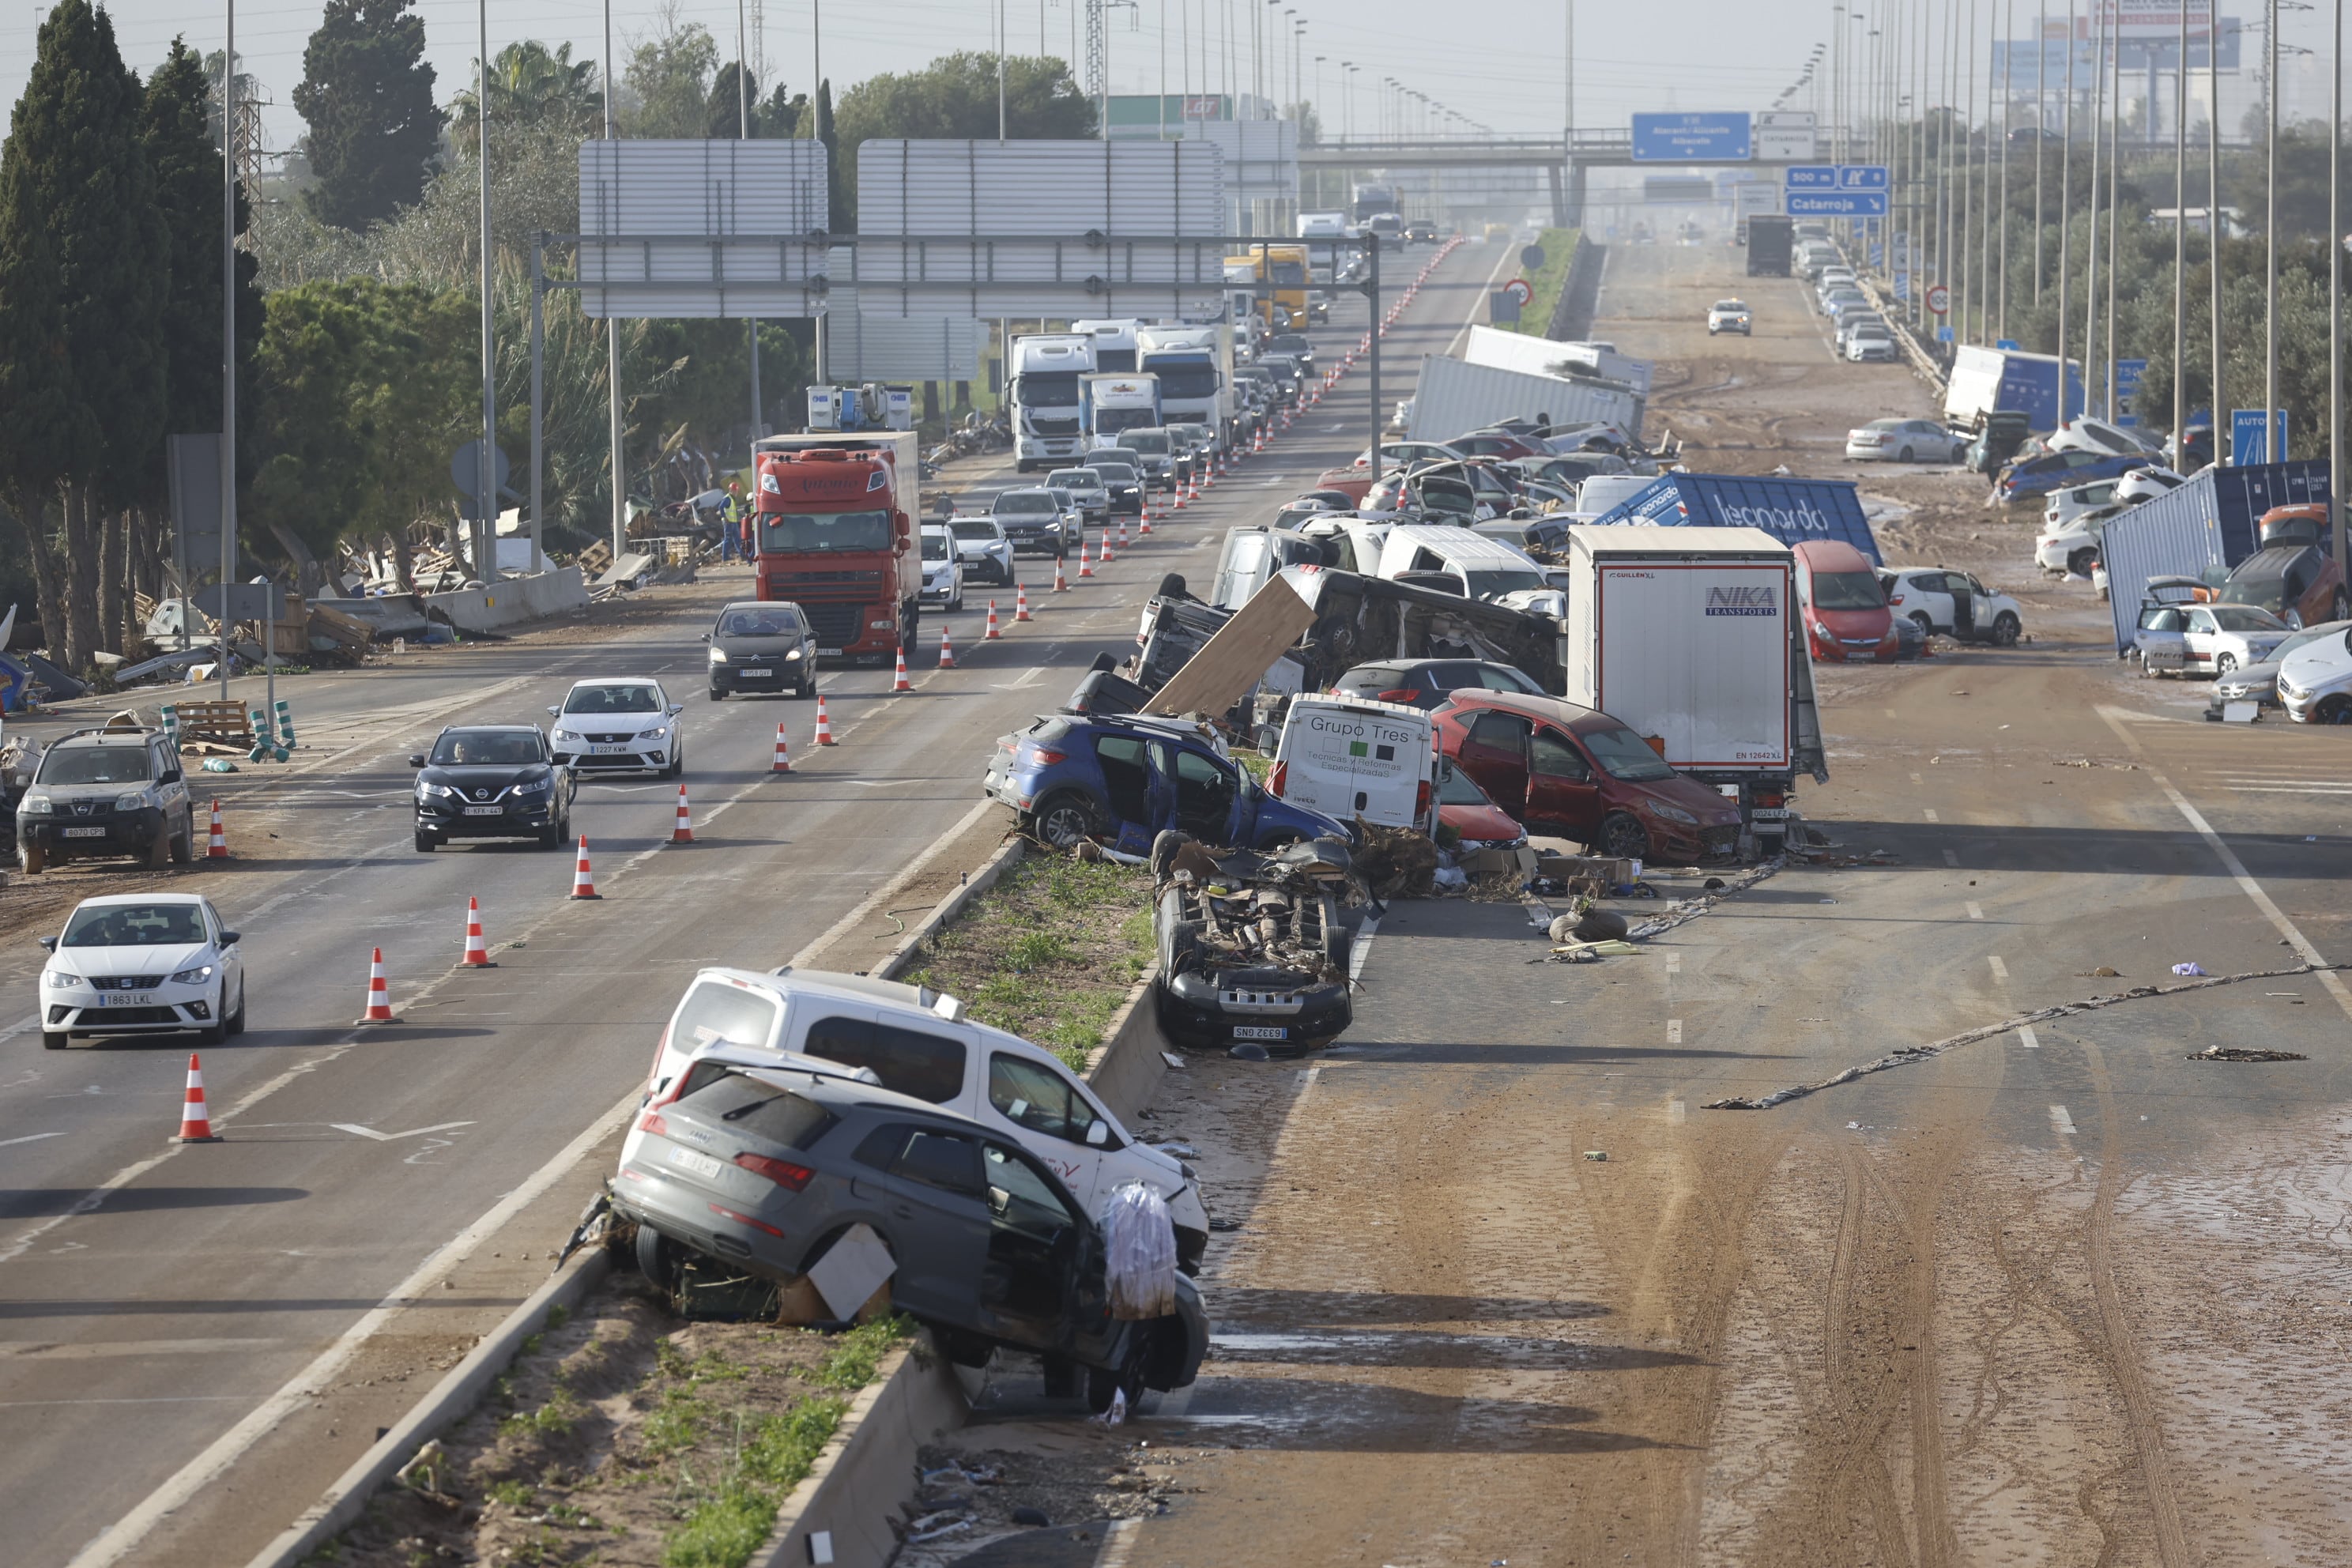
{"x": 1955, "y": 604}
{"x": 1904, "y": 441}
{"x": 143, "y": 963}
{"x": 2293, "y": 576}
{"x": 2032, "y": 477}
{"x": 1730, "y": 316}
{"x": 2178, "y": 634}
{"x": 2086, "y": 434}
{"x": 761, "y": 646}
{"x": 120, "y": 791}
{"x": 1471, "y": 816}
{"x": 1576, "y": 772}
{"x": 1845, "y": 612}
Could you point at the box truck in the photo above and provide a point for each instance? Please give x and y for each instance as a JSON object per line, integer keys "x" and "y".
{"x": 1770, "y": 242}
{"x": 1114, "y": 402}
{"x": 1692, "y": 636}
{"x": 1194, "y": 367}
{"x": 1046, "y": 409}
{"x": 1452, "y": 398}
{"x": 1985, "y": 381}
{"x": 835, "y": 534}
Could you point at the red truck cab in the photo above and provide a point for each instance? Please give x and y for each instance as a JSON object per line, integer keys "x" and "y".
{"x": 833, "y": 534}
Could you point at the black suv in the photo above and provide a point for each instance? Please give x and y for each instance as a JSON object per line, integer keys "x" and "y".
{"x": 492, "y": 780}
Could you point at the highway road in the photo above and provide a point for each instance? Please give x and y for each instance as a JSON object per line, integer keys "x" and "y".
{"x": 193, "y": 1341}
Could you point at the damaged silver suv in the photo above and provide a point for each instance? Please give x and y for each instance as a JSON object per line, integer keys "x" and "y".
{"x": 107, "y": 793}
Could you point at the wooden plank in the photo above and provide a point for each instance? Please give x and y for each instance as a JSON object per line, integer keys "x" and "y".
{"x": 1236, "y": 657}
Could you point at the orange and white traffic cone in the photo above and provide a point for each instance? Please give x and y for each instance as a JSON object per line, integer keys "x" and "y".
{"x": 1107, "y": 556}
{"x": 683, "y": 833}
{"x": 1122, "y": 533}
{"x": 379, "y": 995}
{"x": 899, "y": 682}
{"x": 946, "y": 649}
{"x": 1084, "y": 569}
{"x": 217, "y": 849}
{"x": 584, "y": 881}
{"x": 1143, "y": 524}
{"x": 824, "y": 722}
{"x": 992, "y": 634}
{"x": 196, "y": 1121}
{"x": 478, "y": 953}
{"x": 783, "y": 763}
{"x": 1061, "y": 581}
{"x": 1178, "y": 504}
{"x": 1020, "y": 603}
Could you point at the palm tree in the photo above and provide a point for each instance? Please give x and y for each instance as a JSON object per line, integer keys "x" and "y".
{"x": 535, "y": 89}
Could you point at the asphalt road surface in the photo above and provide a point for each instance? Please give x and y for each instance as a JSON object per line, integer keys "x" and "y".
{"x": 194, "y": 1341}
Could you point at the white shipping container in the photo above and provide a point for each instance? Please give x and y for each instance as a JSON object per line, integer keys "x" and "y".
{"x": 1687, "y": 634}
{"x": 1547, "y": 356}
{"x": 1349, "y": 757}
{"x": 1452, "y": 398}
{"x": 990, "y": 230}
{"x": 701, "y": 228}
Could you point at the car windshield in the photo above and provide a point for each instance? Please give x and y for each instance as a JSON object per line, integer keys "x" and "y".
{"x": 788, "y": 534}
{"x": 1456, "y": 787}
{"x": 1486, "y": 584}
{"x": 95, "y": 765}
{"x": 2304, "y": 639}
{"x": 1847, "y": 591}
{"x": 489, "y": 749}
{"x": 1626, "y": 755}
{"x": 1018, "y": 505}
{"x": 936, "y": 544}
{"x": 2245, "y": 619}
{"x": 986, "y": 531}
{"x": 1115, "y": 473}
{"x": 1075, "y": 479}
{"x": 1729, "y": 305}
{"x": 612, "y": 700}
{"x": 134, "y": 925}
{"x": 1150, "y": 443}
{"x": 1883, "y": 424}
{"x": 761, "y": 623}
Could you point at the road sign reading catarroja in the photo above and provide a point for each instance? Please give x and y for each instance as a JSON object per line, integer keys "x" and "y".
{"x": 1692, "y": 139}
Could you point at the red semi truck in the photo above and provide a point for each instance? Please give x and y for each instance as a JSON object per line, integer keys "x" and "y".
{"x": 835, "y": 535}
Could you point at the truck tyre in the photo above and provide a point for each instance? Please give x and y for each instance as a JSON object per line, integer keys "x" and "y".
{"x": 1601, "y": 925}
{"x": 2005, "y": 630}
{"x": 1062, "y": 820}
{"x": 1623, "y": 837}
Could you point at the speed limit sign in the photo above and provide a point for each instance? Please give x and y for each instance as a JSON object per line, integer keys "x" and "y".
{"x": 1940, "y": 299}
{"x": 1520, "y": 290}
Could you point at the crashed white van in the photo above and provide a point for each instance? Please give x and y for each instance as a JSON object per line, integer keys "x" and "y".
{"x": 1349, "y": 757}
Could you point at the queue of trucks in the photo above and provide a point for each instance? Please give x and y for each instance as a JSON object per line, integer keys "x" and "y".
{"x": 1077, "y": 392}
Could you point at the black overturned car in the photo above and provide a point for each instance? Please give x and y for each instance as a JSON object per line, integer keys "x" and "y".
{"x": 1254, "y": 945}
{"x": 492, "y": 780}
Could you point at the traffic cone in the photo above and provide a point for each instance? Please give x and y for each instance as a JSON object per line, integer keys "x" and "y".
{"x": 898, "y": 681}
{"x": 1181, "y": 491}
{"x": 1122, "y": 533}
{"x": 1107, "y": 556}
{"x": 946, "y": 649}
{"x": 196, "y": 1121}
{"x": 992, "y": 634}
{"x": 378, "y": 997}
{"x": 1061, "y": 583}
{"x": 683, "y": 832}
{"x": 478, "y": 954}
{"x": 1144, "y": 525}
{"x": 1020, "y": 603}
{"x": 1084, "y": 569}
{"x": 783, "y": 764}
{"x": 219, "y": 848}
{"x": 824, "y": 722}
{"x": 583, "y": 882}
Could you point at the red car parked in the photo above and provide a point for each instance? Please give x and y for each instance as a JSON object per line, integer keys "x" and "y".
{"x": 1846, "y": 616}
{"x": 1573, "y": 773}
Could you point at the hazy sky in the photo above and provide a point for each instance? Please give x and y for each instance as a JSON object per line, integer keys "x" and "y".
{"x": 1495, "y": 60}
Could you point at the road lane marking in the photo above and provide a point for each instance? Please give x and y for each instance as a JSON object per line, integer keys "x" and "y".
{"x": 1999, "y": 970}
{"x": 2061, "y": 1120}
{"x": 1673, "y": 963}
{"x": 1975, "y": 911}
{"x": 2028, "y": 1039}
{"x": 1931, "y": 815}
{"x": 1676, "y": 1110}
{"x": 1952, "y": 859}
{"x": 354, "y": 1127}
{"x": 1674, "y": 1031}
{"x": 30, "y": 1137}
{"x": 2237, "y": 868}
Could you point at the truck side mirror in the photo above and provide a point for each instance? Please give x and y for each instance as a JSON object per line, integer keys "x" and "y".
{"x": 906, "y": 530}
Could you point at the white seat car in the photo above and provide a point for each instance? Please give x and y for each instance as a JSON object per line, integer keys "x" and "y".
{"x": 1937, "y": 599}
{"x": 624, "y": 725}
{"x": 983, "y": 547}
{"x": 920, "y": 1043}
{"x": 2073, "y": 545}
{"x": 1904, "y": 441}
{"x": 143, "y": 963}
{"x": 942, "y": 567}
{"x": 2314, "y": 682}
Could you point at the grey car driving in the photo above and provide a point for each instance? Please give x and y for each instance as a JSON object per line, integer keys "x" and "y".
{"x": 756, "y": 646}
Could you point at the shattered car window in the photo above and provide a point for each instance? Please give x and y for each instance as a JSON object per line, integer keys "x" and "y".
{"x": 715, "y": 1011}
{"x": 1035, "y": 1097}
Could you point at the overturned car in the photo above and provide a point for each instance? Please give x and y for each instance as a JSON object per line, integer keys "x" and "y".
{"x": 1254, "y": 946}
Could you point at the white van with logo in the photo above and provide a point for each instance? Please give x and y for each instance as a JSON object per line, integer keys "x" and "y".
{"x": 1349, "y": 757}
{"x": 918, "y": 1042}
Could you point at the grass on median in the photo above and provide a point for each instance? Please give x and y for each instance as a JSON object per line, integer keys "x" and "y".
{"x": 1560, "y": 250}
{"x": 1048, "y": 953}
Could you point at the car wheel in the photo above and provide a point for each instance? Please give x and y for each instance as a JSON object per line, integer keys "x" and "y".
{"x": 213, "y": 1034}
{"x": 1623, "y": 837}
{"x": 2005, "y": 630}
{"x": 2341, "y": 609}
{"x": 2148, "y": 669}
{"x": 2331, "y": 710}
{"x": 427, "y": 843}
{"x": 158, "y": 849}
{"x": 52, "y": 1039}
{"x": 1103, "y": 1384}
{"x": 1164, "y": 845}
{"x": 677, "y": 765}
{"x": 237, "y": 1020}
{"x": 719, "y": 694}
{"x": 183, "y": 848}
{"x": 32, "y": 860}
{"x": 2081, "y": 562}
{"x": 808, "y": 687}
{"x": 657, "y": 1257}
{"x": 1926, "y": 627}
{"x": 1064, "y": 819}
{"x": 1905, "y": 456}
{"x": 2224, "y": 663}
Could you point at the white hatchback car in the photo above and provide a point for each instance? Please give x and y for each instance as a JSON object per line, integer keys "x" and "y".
{"x": 1937, "y": 599}
{"x": 619, "y": 726}
{"x": 143, "y": 963}
{"x": 942, "y": 568}
{"x": 983, "y": 547}
{"x": 918, "y": 1042}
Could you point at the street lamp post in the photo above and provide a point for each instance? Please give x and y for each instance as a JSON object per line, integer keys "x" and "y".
{"x": 486, "y": 483}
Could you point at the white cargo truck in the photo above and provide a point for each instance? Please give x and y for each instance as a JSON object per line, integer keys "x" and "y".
{"x": 1194, "y": 366}
{"x": 1691, "y": 636}
{"x": 1113, "y": 403}
{"x": 1047, "y": 414}
{"x": 1349, "y": 757}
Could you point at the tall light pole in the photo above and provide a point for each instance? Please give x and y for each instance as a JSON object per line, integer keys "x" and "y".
{"x": 2008, "y": 102}
{"x": 1568, "y": 65}
{"x": 2066, "y": 214}
{"x": 2213, "y": 204}
{"x": 2336, "y": 293}
{"x": 2274, "y": 446}
{"x": 229, "y": 334}
{"x": 485, "y": 484}
{"x": 743, "y": 116}
{"x": 2040, "y": 143}
{"x": 612, "y": 332}
{"x": 2180, "y": 251}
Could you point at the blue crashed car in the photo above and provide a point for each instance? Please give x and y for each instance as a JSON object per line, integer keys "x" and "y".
{"x": 1124, "y": 778}
{"x": 2056, "y": 471}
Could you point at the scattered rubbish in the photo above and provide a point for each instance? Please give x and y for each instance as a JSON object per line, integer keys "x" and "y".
{"x": 2311, "y": 838}
{"x": 917, "y": 1533}
{"x": 2187, "y": 969}
{"x": 1396, "y": 862}
{"x": 1449, "y": 879}
{"x": 1880, "y": 858}
{"x": 1249, "y": 1051}
{"x": 1596, "y": 1154}
{"x": 1034, "y": 1518}
{"x": 1140, "y": 1254}
{"x": 2239, "y": 712}
{"x": 1173, "y": 1059}
{"x": 2102, "y": 973}
{"x": 1713, "y": 884}
{"x": 1224, "y": 1224}
{"x": 2241, "y": 1054}
{"x": 1853, "y": 1126}
{"x": 1590, "y": 925}
{"x": 1116, "y": 1413}
{"x": 218, "y": 765}
{"x": 1829, "y": 901}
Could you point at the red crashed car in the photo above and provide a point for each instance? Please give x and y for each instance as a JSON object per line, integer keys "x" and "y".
{"x": 1575, "y": 773}
{"x": 1477, "y": 822}
{"x": 1845, "y": 610}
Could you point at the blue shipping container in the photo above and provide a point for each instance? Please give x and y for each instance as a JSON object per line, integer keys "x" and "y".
{"x": 2209, "y": 521}
{"x": 1791, "y": 510}
{"x": 1985, "y": 380}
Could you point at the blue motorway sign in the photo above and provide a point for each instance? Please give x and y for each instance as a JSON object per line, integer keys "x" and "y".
{"x": 1836, "y": 177}
{"x": 1837, "y": 204}
{"x": 1692, "y": 139}
{"x": 2250, "y": 437}
{"x": 2128, "y": 373}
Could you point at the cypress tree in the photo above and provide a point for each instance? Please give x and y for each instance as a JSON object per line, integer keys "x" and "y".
{"x": 367, "y": 95}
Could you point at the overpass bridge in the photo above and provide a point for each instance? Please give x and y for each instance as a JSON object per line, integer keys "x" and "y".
{"x": 1566, "y": 159}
